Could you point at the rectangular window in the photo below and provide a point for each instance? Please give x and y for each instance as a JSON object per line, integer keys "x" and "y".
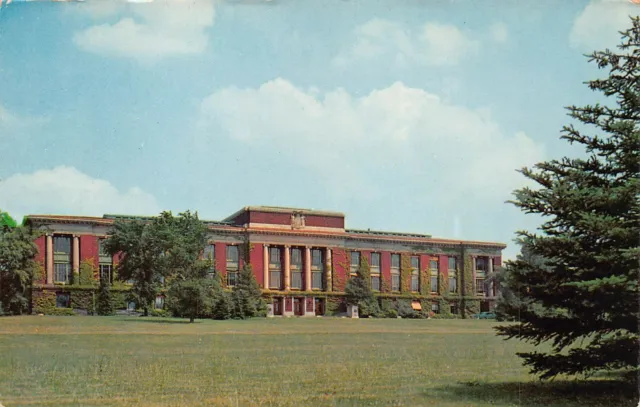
{"x": 395, "y": 272}
{"x": 375, "y": 282}
{"x": 433, "y": 269}
{"x": 105, "y": 263}
{"x": 434, "y": 284}
{"x": 435, "y": 307}
{"x": 275, "y": 268}
{"x": 452, "y": 284}
{"x": 62, "y": 300}
{"x": 106, "y": 273}
{"x": 355, "y": 262}
{"x": 480, "y": 286}
{"x": 481, "y": 264}
{"x": 452, "y": 263}
{"x": 296, "y": 269}
{"x": 209, "y": 254}
{"x": 395, "y": 282}
{"x": 375, "y": 262}
{"x": 317, "y": 270}
{"x": 61, "y": 259}
{"x": 415, "y": 273}
{"x": 454, "y": 309}
{"x": 233, "y": 265}
{"x": 159, "y": 303}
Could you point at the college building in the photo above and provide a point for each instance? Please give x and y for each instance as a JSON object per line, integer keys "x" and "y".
{"x": 301, "y": 258}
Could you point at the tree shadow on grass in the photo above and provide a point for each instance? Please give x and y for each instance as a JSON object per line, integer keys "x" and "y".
{"x": 532, "y": 394}
{"x": 161, "y": 320}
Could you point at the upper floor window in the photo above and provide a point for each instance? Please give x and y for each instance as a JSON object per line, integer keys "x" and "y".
{"x": 355, "y": 262}
{"x": 61, "y": 259}
{"x": 481, "y": 264}
{"x": 209, "y": 254}
{"x": 275, "y": 257}
{"x": 415, "y": 273}
{"x": 296, "y": 269}
{"x": 433, "y": 268}
{"x": 453, "y": 265}
{"x": 232, "y": 257}
{"x": 375, "y": 262}
{"x": 316, "y": 258}
{"x": 296, "y": 259}
{"x": 395, "y": 272}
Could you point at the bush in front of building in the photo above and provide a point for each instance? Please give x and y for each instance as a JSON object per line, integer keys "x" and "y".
{"x": 190, "y": 298}
{"x": 223, "y": 307}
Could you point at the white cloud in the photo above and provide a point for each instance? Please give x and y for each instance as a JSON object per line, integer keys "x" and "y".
{"x": 434, "y": 44}
{"x": 597, "y": 27}
{"x": 67, "y": 191}
{"x": 397, "y": 131}
{"x": 499, "y": 32}
{"x": 149, "y": 31}
{"x": 12, "y": 123}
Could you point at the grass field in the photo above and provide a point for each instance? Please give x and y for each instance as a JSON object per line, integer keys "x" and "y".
{"x": 128, "y": 361}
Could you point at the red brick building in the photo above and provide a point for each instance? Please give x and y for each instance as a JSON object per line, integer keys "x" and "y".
{"x": 301, "y": 258}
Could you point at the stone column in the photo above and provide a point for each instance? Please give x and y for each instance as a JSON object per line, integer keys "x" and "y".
{"x": 75, "y": 266}
{"x": 473, "y": 273}
{"x": 490, "y": 271}
{"x": 307, "y": 268}
{"x": 265, "y": 266}
{"x": 328, "y": 270}
{"x": 287, "y": 268}
{"x": 49, "y": 259}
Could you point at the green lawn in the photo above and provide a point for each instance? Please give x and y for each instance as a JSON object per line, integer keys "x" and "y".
{"x": 128, "y": 361}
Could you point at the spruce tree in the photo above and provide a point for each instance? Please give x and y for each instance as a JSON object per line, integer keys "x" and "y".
{"x": 583, "y": 299}
{"x": 105, "y": 304}
{"x": 247, "y": 295}
{"x": 358, "y": 291}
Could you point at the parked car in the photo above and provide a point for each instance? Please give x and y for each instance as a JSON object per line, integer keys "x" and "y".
{"x": 484, "y": 315}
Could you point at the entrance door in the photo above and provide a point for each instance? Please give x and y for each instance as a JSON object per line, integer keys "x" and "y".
{"x": 319, "y": 306}
{"x": 485, "y": 306}
{"x": 298, "y": 304}
{"x": 277, "y": 306}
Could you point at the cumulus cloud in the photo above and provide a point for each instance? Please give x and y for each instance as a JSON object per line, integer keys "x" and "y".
{"x": 150, "y": 31}
{"x": 597, "y": 26}
{"x": 66, "y": 191}
{"x": 433, "y": 44}
{"x": 397, "y": 131}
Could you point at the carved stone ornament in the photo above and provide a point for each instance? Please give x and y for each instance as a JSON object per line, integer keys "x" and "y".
{"x": 297, "y": 221}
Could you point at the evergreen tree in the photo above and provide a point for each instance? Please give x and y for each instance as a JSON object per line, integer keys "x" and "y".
{"x": 105, "y": 304}
{"x": 247, "y": 295}
{"x": 223, "y": 306}
{"x": 584, "y": 298}
{"x": 358, "y": 291}
{"x": 17, "y": 267}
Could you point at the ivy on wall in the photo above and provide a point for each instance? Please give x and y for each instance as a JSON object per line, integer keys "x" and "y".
{"x": 405, "y": 273}
{"x": 425, "y": 280}
{"x": 340, "y": 282}
{"x": 88, "y": 271}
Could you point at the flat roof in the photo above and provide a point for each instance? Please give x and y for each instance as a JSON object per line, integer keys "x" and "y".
{"x": 284, "y": 209}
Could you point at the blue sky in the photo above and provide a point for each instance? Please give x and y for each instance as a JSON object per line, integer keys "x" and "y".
{"x": 406, "y": 115}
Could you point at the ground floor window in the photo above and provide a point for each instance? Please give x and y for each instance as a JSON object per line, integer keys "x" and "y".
{"x": 434, "y": 284}
{"x": 62, "y": 300}
{"x": 159, "y": 303}
{"x": 454, "y": 309}
{"x": 106, "y": 273}
{"x": 232, "y": 278}
{"x": 435, "y": 308}
{"x": 61, "y": 272}
{"x": 316, "y": 280}
{"x": 395, "y": 282}
{"x": 296, "y": 280}
{"x": 375, "y": 283}
{"x": 274, "y": 280}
